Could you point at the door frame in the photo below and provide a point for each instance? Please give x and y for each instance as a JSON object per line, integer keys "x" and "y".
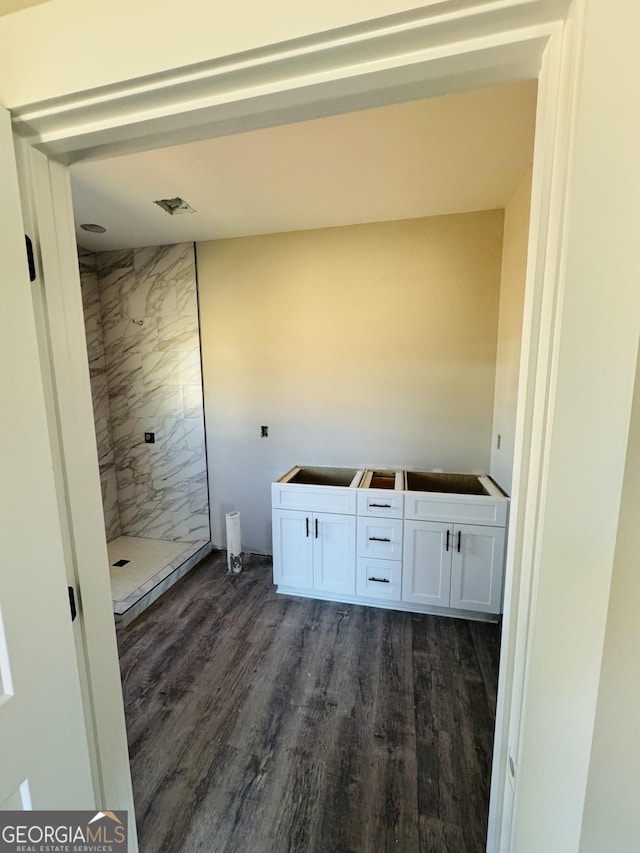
{"x": 48, "y": 218}
{"x": 401, "y": 57}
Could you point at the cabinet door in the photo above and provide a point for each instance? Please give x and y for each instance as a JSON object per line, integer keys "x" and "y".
{"x": 426, "y": 568}
{"x": 292, "y": 548}
{"x": 477, "y": 568}
{"x": 334, "y": 553}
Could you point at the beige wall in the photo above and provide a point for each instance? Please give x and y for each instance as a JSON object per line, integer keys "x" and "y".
{"x": 370, "y": 344}
{"x": 514, "y": 269}
{"x": 612, "y": 818}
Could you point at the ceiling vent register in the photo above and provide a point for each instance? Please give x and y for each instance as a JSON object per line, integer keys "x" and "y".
{"x": 174, "y": 206}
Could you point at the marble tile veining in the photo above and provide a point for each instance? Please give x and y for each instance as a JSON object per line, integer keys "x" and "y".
{"x": 153, "y": 297}
{"x": 129, "y": 336}
{"x": 106, "y": 261}
{"x": 175, "y": 262}
{"x": 192, "y": 401}
{"x": 178, "y": 333}
{"x": 186, "y": 300}
{"x": 86, "y": 260}
{"x": 90, "y": 292}
{"x": 144, "y": 351}
{"x": 155, "y": 401}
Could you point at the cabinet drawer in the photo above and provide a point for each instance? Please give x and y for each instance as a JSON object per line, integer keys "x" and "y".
{"x": 424, "y": 506}
{"x": 379, "y": 578}
{"x": 380, "y": 538}
{"x": 314, "y": 498}
{"x": 380, "y": 504}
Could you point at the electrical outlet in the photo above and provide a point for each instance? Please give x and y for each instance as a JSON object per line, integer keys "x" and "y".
{"x": 264, "y": 432}
{"x": 149, "y": 438}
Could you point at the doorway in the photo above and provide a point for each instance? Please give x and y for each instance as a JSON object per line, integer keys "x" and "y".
{"x": 213, "y": 319}
{"x": 542, "y": 177}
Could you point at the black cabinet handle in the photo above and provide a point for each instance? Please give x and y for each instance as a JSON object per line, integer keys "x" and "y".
{"x": 307, "y": 526}
{"x": 459, "y": 538}
{"x": 381, "y": 506}
{"x": 447, "y": 545}
{"x": 316, "y": 528}
{"x": 380, "y": 580}
{"x": 378, "y": 539}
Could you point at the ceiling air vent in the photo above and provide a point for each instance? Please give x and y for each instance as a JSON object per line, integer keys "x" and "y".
{"x": 174, "y": 205}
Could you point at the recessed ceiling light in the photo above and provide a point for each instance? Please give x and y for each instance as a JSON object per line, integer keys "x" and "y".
{"x": 95, "y": 229}
{"x": 174, "y": 205}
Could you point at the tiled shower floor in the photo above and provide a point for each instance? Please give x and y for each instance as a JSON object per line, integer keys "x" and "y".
{"x": 153, "y": 566}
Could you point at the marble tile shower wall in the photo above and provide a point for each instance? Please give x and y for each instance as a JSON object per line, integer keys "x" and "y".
{"x": 100, "y": 393}
{"x": 149, "y": 324}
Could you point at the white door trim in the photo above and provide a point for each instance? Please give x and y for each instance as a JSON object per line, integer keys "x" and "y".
{"x": 440, "y": 48}
{"x": 59, "y": 313}
{"x": 388, "y": 60}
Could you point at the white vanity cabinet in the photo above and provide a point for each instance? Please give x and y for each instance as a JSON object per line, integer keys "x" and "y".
{"x": 477, "y": 568}
{"x": 314, "y": 534}
{"x": 459, "y": 566}
{"x": 391, "y": 539}
{"x": 380, "y": 536}
{"x": 314, "y": 550}
{"x": 292, "y": 549}
{"x": 426, "y": 564}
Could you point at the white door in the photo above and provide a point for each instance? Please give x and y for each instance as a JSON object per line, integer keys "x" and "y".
{"x": 334, "y": 553}
{"x": 426, "y": 567}
{"x": 43, "y": 743}
{"x": 292, "y": 548}
{"x": 477, "y": 568}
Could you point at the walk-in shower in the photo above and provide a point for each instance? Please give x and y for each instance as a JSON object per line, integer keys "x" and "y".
{"x": 143, "y": 344}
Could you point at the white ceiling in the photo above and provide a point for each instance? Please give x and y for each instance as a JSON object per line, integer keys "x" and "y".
{"x": 451, "y": 154}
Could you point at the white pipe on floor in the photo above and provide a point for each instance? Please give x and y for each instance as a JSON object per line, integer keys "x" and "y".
{"x": 234, "y": 543}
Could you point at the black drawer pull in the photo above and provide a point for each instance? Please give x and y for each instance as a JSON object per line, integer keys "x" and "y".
{"x": 307, "y": 527}
{"x": 378, "y": 539}
{"x": 380, "y": 580}
{"x": 447, "y": 545}
{"x": 459, "y": 538}
{"x": 316, "y": 528}
{"x": 381, "y": 506}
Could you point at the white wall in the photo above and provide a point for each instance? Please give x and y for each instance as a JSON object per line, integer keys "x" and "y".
{"x": 363, "y": 345}
{"x": 512, "y": 281}
{"x": 147, "y": 36}
{"x": 612, "y": 817}
{"x": 587, "y": 423}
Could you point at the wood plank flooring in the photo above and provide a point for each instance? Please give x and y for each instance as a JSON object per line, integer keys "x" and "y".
{"x": 263, "y": 724}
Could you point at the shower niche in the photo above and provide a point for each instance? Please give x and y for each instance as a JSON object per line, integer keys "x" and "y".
{"x": 143, "y": 344}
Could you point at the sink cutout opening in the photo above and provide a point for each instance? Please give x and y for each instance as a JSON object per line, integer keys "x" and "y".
{"x": 324, "y": 476}
{"x": 383, "y": 480}
{"x": 453, "y": 484}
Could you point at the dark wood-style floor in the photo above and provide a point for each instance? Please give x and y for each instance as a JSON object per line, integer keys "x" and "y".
{"x": 262, "y": 724}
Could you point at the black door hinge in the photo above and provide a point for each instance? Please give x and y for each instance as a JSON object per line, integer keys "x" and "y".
{"x": 72, "y": 603}
{"x": 30, "y": 259}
